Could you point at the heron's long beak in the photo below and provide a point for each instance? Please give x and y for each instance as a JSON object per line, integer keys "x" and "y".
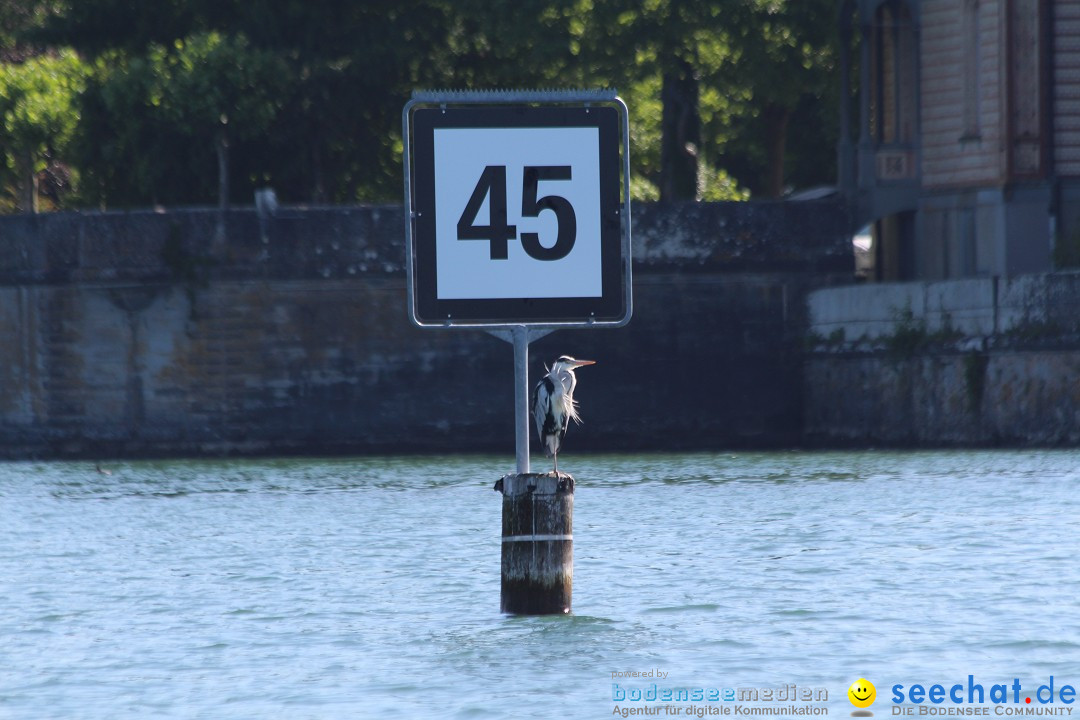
{"x": 582, "y": 363}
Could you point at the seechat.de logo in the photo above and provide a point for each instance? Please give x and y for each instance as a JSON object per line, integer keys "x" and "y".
{"x": 862, "y": 694}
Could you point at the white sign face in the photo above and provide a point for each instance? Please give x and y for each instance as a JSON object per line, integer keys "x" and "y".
{"x": 543, "y": 238}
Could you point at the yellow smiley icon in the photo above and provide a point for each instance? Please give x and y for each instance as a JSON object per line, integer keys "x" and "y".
{"x": 862, "y": 693}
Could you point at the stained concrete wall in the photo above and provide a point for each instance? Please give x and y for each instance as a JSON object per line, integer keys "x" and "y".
{"x": 152, "y": 333}
{"x": 980, "y": 362}
{"x": 1003, "y": 397}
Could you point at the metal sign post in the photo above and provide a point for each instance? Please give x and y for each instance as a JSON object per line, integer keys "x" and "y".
{"x": 518, "y": 223}
{"x": 521, "y": 397}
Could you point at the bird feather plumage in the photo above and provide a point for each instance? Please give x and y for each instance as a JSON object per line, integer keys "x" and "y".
{"x": 553, "y": 404}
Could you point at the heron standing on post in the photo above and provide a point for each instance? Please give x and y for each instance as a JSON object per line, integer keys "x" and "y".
{"x": 553, "y": 404}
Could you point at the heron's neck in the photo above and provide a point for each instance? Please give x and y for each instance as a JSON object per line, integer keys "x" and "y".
{"x": 569, "y": 381}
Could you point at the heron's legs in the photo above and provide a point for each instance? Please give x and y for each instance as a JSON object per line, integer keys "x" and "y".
{"x": 556, "y": 456}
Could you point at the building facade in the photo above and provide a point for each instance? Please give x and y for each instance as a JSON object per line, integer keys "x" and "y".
{"x": 964, "y": 152}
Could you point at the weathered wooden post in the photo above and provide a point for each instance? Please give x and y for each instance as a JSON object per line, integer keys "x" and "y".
{"x": 537, "y": 543}
{"x": 558, "y": 258}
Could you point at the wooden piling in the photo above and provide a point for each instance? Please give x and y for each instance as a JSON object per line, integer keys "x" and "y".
{"x": 537, "y": 543}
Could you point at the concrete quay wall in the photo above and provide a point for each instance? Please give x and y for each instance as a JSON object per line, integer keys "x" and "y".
{"x": 978, "y": 362}
{"x": 190, "y": 332}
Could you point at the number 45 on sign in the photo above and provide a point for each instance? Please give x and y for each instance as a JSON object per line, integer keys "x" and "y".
{"x": 492, "y": 186}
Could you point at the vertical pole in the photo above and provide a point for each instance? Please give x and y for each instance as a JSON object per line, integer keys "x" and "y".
{"x": 845, "y": 149}
{"x": 537, "y": 516}
{"x": 521, "y": 397}
{"x": 537, "y": 544}
{"x": 864, "y": 81}
{"x": 866, "y": 171}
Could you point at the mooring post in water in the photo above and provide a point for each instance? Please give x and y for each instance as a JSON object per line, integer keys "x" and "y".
{"x": 537, "y": 516}
{"x": 537, "y": 543}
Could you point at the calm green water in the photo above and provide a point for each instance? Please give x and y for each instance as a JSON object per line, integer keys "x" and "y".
{"x": 369, "y": 588}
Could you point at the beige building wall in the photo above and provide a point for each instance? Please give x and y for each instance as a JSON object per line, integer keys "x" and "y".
{"x": 1066, "y": 94}
{"x": 954, "y": 155}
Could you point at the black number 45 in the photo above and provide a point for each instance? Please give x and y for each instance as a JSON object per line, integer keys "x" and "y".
{"x": 492, "y": 185}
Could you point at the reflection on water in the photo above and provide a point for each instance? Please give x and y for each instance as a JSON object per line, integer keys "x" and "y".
{"x": 369, "y": 587}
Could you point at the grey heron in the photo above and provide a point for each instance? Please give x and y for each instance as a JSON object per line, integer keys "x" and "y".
{"x": 553, "y": 404}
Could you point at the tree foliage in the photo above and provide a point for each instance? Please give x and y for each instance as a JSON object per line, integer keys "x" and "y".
{"x": 197, "y": 101}
{"x": 789, "y": 49}
{"x": 38, "y": 118}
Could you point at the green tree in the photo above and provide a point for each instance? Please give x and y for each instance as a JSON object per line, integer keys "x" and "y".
{"x": 724, "y": 95}
{"x": 782, "y": 58}
{"x": 99, "y": 27}
{"x": 38, "y": 116}
{"x": 157, "y": 126}
{"x": 214, "y": 89}
{"x": 20, "y": 23}
{"x": 344, "y": 67}
{"x": 525, "y": 44}
{"x": 730, "y": 75}
{"x": 663, "y": 52}
{"x": 121, "y": 142}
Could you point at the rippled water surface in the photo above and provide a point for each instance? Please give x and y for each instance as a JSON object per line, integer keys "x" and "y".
{"x": 369, "y": 588}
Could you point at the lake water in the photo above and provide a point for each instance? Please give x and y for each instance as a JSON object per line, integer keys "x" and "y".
{"x": 369, "y": 588}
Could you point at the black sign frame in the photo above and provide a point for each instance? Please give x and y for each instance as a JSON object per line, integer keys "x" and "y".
{"x": 422, "y": 117}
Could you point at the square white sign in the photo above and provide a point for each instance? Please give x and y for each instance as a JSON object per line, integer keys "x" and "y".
{"x": 547, "y": 235}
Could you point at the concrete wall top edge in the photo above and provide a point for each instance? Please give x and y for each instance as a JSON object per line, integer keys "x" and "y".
{"x": 973, "y": 306}
{"x": 365, "y": 240}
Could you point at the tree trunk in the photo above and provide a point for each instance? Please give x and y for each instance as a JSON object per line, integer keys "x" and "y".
{"x": 680, "y": 134}
{"x": 222, "y": 148}
{"x": 28, "y": 181}
{"x": 776, "y": 120}
{"x": 318, "y": 190}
